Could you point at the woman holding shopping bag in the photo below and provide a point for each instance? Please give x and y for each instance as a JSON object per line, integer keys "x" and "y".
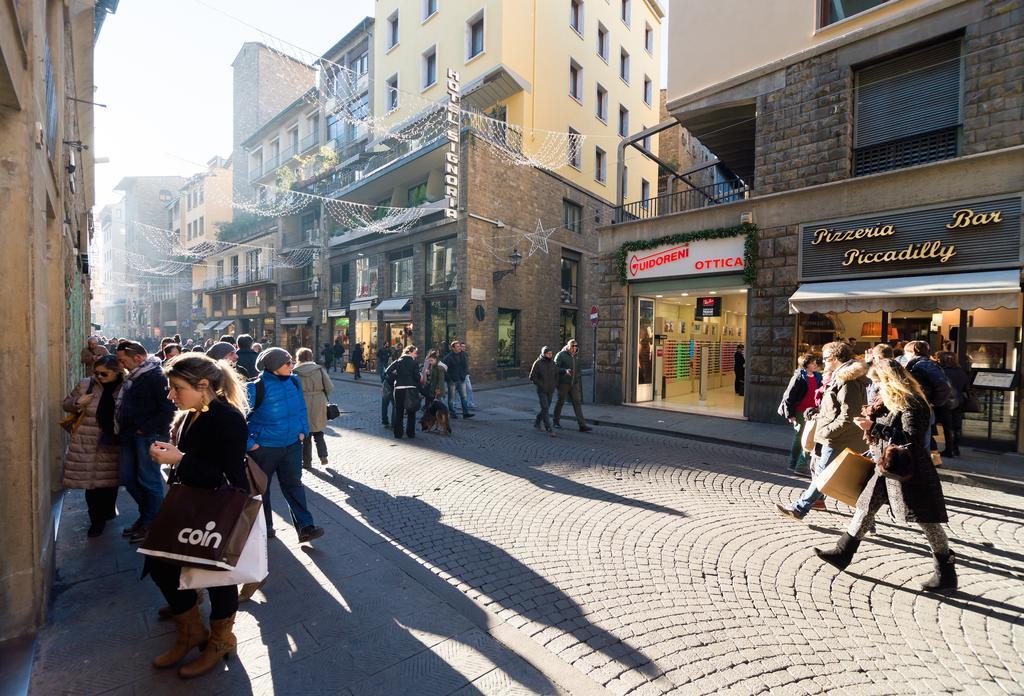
{"x": 210, "y": 451}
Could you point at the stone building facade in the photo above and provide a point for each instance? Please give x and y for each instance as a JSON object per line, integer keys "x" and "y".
{"x": 46, "y": 196}
{"x": 804, "y": 156}
{"x": 483, "y": 291}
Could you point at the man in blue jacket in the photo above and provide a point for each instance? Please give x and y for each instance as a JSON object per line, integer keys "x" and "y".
{"x": 455, "y": 378}
{"x": 278, "y": 424}
{"x": 143, "y": 416}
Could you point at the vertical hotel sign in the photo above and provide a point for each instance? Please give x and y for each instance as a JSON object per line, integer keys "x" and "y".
{"x": 453, "y": 112}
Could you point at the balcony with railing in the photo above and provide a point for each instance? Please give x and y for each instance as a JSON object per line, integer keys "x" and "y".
{"x": 300, "y": 287}
{"x": 311, "y": 140}
{"x": 692, "y": 198}
{"x": 258, "y": 275}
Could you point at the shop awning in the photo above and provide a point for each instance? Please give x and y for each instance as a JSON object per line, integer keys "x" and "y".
{"x": 294, "y": 321}
{"x": 205, "y": 326}
{"x": 983, "y": 290}
{"x": 394, "y": 305}
{"x": 362, "y": 304}
{"x": 225, "y": 324}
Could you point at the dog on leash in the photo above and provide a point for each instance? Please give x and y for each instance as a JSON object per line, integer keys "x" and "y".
{"x": 436, "y": 416}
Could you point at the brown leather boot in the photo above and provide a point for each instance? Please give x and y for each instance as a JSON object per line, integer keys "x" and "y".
{"x": 191, "y": 633}
{"x": 222, "y": 646}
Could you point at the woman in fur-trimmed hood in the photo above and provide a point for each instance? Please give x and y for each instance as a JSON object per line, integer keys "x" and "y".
{"x": 835, "y": 430}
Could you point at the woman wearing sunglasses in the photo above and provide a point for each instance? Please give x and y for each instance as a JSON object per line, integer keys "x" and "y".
{"x": 92, "y": 459}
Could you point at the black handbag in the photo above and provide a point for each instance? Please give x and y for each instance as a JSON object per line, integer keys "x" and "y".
{"x": 897, "y": 460}
{"x": 333, "y": 411}
{"x": 972, "y": 404}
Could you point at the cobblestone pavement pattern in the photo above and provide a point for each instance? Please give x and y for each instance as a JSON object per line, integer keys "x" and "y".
{"x": 650, "y": 564}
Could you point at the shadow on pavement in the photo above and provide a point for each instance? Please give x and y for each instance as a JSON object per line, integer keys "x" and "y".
{"x": 417, "y": 525}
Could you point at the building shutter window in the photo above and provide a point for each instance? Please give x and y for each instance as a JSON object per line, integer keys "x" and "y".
{"x": 908, "y": 109}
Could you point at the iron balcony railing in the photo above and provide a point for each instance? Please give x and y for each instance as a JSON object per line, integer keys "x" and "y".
{"x": 311, "y": 140}
{"x": 258, "y": 275}
{"x": 293, "y": 288}
{"x": 681, "y": 201}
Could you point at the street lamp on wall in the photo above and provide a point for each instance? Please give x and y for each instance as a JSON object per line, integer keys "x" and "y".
{"x": 515, "y": 258}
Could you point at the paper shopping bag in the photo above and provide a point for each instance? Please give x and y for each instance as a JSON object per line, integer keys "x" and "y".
{"x": 845, "y": 476}
{"x": 251, "y": 566}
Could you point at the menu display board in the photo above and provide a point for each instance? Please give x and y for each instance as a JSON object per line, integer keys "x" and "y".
{"x": 1000, "y": 380}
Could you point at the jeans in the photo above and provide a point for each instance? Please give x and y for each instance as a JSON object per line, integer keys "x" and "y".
{"x": 797, "y": 456}
{"x": 460, "y": 389}
{"x": 140, "y": 475}
{"x": 403, "y": 413}
{"x": 469, "y": 394}
{"x": 386, "y": 400}
{"x": 223, "y": 600}
{"x": 812, "y": 494}
{"x": 545, "y": 405}
{"x": 287, "y": 462}
{"x": 574, "y": 393}
{"x": 307, "y": 448}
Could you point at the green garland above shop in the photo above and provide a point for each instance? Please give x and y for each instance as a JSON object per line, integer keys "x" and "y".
{"x": 749, "y": 247}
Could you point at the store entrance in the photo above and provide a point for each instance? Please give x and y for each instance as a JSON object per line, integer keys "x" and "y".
{"x": 689, "y": 352}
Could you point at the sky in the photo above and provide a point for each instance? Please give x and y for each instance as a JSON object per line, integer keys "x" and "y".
{"x": 163, "y": 70}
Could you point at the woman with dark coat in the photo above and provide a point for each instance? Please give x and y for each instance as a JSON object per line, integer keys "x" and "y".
{"x": 953, "y": 429}
{"x": 210, "y": 452}
{"x": 407, "y": 377}
{"x": 798, "y": 398}
{"x": 92, "y": 460}
{"x": 902, "y": 418}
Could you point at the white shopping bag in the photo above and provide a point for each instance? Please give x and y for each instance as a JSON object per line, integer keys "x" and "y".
{"x": 251, "y": 566}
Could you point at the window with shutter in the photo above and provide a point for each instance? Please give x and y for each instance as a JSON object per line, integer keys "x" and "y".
{"x": 908, "y": 110}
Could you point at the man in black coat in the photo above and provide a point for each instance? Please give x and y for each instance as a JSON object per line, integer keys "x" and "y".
{"x": 544, "y": 375}
{"x": 143, "y": 416}
{"x": 246, "y": 364}
{"x": 339, "y": 354}
{"x": 455, "y": 378}
{"x": 357, "y": 359}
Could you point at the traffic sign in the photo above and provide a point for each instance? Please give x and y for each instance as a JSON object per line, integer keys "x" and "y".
{"x": 593, "y": 315}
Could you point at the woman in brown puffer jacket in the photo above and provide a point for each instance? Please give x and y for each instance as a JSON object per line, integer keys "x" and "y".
{"x": 92, "y": 461}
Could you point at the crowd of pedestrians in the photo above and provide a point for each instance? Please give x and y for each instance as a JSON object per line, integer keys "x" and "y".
{"x": 886, "y": 407}
{"x": 198, "y": 412}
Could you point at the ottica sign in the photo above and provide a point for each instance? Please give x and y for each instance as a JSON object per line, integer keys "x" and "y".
{"x": 691, "y": 258}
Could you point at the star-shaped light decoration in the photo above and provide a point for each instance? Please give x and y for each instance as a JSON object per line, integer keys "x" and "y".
{"x": 539, "y": 238}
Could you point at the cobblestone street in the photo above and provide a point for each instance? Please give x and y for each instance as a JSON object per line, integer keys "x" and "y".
{"x": 635, "y": 562}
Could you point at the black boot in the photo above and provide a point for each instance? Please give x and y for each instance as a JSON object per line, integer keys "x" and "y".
{"x": 842, "y": 554}
{"x": 944, "y": 577}
{"x": 957, "y": 436}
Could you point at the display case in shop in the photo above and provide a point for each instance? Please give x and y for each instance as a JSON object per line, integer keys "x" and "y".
{"x": 681, "y": 347}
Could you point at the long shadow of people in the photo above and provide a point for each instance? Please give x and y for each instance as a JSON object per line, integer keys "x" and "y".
{"x": 511, "y": 585}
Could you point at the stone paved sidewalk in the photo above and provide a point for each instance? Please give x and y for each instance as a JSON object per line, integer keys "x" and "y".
{"x": 635, "y": 563}
{"x": 335, "y": 617}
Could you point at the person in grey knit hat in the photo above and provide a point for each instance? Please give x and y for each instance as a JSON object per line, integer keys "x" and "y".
{"x": 222, "y": 350}
{"x": 272, "y": 359}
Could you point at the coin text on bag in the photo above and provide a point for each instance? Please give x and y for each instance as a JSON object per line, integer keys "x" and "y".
{"x": 197, "y": 537}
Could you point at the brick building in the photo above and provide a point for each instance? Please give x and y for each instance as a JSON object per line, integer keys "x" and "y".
{"x": 896, "y": 118}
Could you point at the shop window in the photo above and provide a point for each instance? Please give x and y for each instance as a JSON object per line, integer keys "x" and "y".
{"x": 572, "y": 216}
{"x": 366, "y": 277}
{"x": 401, "y": 273}
{"x": 570, "y": 278}
{"x": 567, "y": 326}
{"x": 908, "y": 110}
{"x": 508, "y": 320}
{"x": 442, "y": 324}
{"x": 442, "y": 274}
{"x": 833, "y": 11}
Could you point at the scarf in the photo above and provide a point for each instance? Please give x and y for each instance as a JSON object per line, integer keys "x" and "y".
{"x": 105, "y": 411}
{"x": 151, "y": 363}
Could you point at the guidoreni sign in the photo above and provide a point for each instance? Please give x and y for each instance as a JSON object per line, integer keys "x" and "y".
{"x": 701, "y": 257}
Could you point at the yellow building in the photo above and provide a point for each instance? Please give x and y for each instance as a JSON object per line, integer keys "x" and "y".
{"x": 564, "y": 66}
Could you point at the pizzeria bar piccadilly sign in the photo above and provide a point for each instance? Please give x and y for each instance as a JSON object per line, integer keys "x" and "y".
{"x": 701, "y": 257}
{"x": 971, "y": 235}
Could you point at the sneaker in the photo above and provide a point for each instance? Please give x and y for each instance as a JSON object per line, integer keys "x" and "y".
{"x": 139, "y": 536}
{"x": 310, "y": 533}
{"x": 468, "y": 415}
{"x": 558, "y": 425}
{"x": 131, "y": 529}
{"x": 820, "y": 505}
{"x": 788, "y": 512}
